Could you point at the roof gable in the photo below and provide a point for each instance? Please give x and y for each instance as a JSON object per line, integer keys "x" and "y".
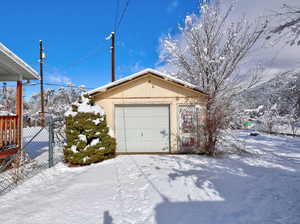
{"x": 143, "y": 73}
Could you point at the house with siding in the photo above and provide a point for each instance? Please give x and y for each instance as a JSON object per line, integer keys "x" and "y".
{"x": 13, "y": 69}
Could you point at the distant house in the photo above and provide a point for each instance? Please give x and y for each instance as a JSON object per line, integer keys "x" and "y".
{"x": 12, "y": 68}
{"x": 152, "y": 112}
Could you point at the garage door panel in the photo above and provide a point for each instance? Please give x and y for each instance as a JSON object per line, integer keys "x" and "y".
{"x": 148, "y": 122}
{"x": 144, "y": 137}
{"x": 159, "y": 134}
{"x": 131, "y": 134}
{"x": 142, "y": 128}
{"x": 144, "y": 108}
{"x": 136, "y": 113}
{"x": 129, "y": 116}
{"x": 146, "y": 125}
{"x": 144, "y": 132}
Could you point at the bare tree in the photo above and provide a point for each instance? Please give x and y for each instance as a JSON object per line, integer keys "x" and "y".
{"x": 289, "y": 24}
{"x": 7, "y": 99}
{"x": 209, "y": 53}
{"x": 293, "y": 119}
{"x": 270, "y": 118}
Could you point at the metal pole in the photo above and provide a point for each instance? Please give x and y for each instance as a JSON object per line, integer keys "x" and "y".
{"x": 51, "y": 135}
{"x": 42, "y": 84}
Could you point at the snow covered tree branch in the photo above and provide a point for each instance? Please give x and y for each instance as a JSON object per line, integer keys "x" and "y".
{"x": 289, "y": 19}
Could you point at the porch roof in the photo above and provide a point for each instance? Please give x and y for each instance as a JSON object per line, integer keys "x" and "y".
{"x": 13, "y": 68}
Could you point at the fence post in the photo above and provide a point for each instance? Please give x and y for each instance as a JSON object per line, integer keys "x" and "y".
{"x": 51, "y": 135}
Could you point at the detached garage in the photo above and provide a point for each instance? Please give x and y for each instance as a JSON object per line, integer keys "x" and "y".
{"x": 151, "y": 112}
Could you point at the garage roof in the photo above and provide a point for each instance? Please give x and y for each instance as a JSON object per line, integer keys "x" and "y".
{"x": 13, "y": 68}
{"x": 141, "y": 73}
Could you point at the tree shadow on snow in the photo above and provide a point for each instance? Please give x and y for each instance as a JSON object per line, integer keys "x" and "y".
{"x": 269, "y": 141}
{"x": 35, "y": 141}
{"x": 252, "y": 194}
{"x": 34, "y": 149}
{"x": 206, "y": 212}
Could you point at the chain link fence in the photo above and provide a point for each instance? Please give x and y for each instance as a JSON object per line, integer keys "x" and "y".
{"x": 42, "y": 148}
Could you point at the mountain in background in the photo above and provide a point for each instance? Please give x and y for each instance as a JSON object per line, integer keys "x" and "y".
{"x": 282, "y": 91}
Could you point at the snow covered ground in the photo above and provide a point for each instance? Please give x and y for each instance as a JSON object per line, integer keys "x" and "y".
{"x": 39, "y": 144}
{"x": 37, "y": 158}
{"x": 259, "y": 188}
{"x": 286, "y": 129}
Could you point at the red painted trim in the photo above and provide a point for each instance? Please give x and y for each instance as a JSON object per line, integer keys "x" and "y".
{"x": 8, "y": 152}
{"x": 19, "y": 112}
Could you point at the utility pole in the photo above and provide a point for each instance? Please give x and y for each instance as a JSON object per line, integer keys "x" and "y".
{"x": 42, "y": 84}
{"x": 112, "y": 56}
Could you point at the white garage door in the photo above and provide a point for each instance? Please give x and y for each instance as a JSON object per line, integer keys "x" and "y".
{"x": 142, "y": 128}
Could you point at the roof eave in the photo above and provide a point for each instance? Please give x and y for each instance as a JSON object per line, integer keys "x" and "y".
{"x": 21, "y": 70}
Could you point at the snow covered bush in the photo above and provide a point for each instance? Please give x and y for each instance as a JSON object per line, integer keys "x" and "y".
{"x": 88, "y": 139}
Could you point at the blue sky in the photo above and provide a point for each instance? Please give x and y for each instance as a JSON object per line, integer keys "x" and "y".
{"x": 74, "y": 35}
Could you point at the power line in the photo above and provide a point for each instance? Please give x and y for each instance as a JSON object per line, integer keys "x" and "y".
{"x": 94, "y": 51}
{"x": 68, "y": 86}
{"x": 116, "y": 15}
{"x": 117, "y": 24}
{"x": 112, "y": 36}
{"x": 60, "y": 85}
{"x": 123, "y": 14}
{"x": 46, "y": 84}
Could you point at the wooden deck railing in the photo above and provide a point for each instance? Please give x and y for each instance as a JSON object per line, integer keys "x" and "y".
{"x": 9, "y": 131}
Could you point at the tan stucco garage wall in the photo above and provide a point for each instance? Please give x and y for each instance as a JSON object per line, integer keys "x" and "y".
{"x": 149, "y": 89}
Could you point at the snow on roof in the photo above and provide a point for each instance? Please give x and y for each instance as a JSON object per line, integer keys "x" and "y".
{"x": 11, "y": 67}
{"x": 141, "y": 73}
{"x": 6, "y": 113}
